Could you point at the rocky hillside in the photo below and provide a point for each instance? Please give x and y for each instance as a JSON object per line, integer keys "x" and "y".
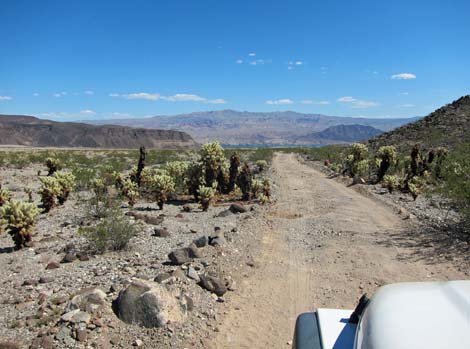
{"x": 30, "y": 131}
{"x": 236, "y": 127}
{"x": 341, "y": 134}
{"x": 448, "y": 126}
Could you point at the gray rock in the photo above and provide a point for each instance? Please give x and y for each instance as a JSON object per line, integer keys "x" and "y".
{"x": 148, "y": 304}
{"x": 237, "y": 208}
{"x": 161, "y": 232}
{"x": 45, "y": 279}
{"x": 217, "y": 240}
{"x": 69, "y": 257}
{"x": 202, "y": 241}
{"x": 52, "y": 265}
{"x": 89, "y": 299}
{"x": 225, "y": 213}
{"x": 179, "y": 256}
{"x": 81, "y": 316}
{"x": 162, "y": 278}
{"x": 213, "y": 284}
{"x": 192, "y": 274}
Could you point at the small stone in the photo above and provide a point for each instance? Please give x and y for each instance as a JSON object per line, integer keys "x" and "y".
{"x": 69, "y": 257}
{"x": 30, "y": 283}
{"x": 67, "y": 317}
{"x": 217, "y": 240}
{"x": 10, "y": 345}
{"x": 52, "y": 265}
{"x": 192, "y": 274}
{"x": 193, "y": 251}
{"x": 213, "y": 284}
{"x": 187, "y": 208}
{"x": 202, "y": 241}
{"x": 81, "y": 316}
{"x": 179, "y": 256}
{"x": 115, "y": 340}
{"x": 83, "y": 257}
{"x": 45, "y": 279}
{"x": 237, "y": 208}
{"x": 161, "y": 232}
{"x": 162, "y": 278}
{"x": 138, "y": 343}
{"x": 81, "y": 335}
{"x": 225, "y": 213}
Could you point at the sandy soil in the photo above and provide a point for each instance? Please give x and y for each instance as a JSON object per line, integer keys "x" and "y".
{"x": 323, "y": 245}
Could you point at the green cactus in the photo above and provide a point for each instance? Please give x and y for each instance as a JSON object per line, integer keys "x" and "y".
{"x": 130, "y": 191}
{"x": 262, "y": 165}
{"x": 19, "y": 218}
{"x": 416, "y": 186}
{"x": 66, "y": 181}
{"x": 29, "y": 194}
{"x": 177, "y": 170}
{"x": 212, "y": 158}
{"x": 49, "y": 191}
{"x": 256, "y": 188}
{"x": 390, "y": 182}
{"x": 206, "y": 196}
{"x": 195, "y": 177}
{"x": 161, "y": 185}
{"x": 5, "y": 196}
{"x": 53, "y": 165}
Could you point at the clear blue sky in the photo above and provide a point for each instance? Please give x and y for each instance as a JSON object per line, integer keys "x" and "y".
{"x": 108, "y": 59}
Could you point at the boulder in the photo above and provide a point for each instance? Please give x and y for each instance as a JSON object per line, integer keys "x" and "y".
{"x": 89, "y": 299}
{"x": 161, "y": 232}
{"x": 184, "y": 255}
{"x": 148, "y": 304}
{"x": 237, "y": 208}
{"x": 202, "y": 241}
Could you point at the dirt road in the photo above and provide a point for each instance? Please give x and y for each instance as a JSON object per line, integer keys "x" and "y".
{"x": 326, "y": 245}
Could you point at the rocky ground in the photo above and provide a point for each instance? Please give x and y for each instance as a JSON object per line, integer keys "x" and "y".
{"x": 244, "y": 276}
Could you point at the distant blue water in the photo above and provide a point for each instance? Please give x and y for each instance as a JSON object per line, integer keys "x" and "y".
{"x": 250, "y": 146}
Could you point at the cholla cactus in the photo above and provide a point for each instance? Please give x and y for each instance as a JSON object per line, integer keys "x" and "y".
{"x": 19, "y": 218}
{"x": 212, "y": 158}
{"x": 206, "y": 196}
{"x": 53, "y": 165}
{"x": 262, "y": 165}
{"x": 440, "y": 154}
{"x": 99, "y": 187}
{"x": 387, "y": 155}
{"x": 256, "y": 188}
{"x": 177, "y": 170}
{"x": 136, "y": 176}
{"x": 223, "y": 178}
{"x": 118, "y": 180}
{"x": 5, "y": 196}
{"x": 195, "y": 177}
{"x": 358, "y": 151}
{"x": 390, "y": 182}
{"x": 356, "y": 163}
{"x": 66, "y": 181}
{"x": 233, "y": 171}
{"x": 267, "y": 188}
{"x": 161, "y": 185}
{"x": 50, "y": 190}
{"x": 244, "y": 181}
{"x": 130, "y": 191}
{"x": 416, "y": 186}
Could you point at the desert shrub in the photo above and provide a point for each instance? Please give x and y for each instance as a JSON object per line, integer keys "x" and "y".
{"x": 387, "y": 156}
{"x": 262, "y": 165}
{"x": 212, "y": 159}
{"x": 455, "y": 182}
{"x": 112, "y": 233}
{"x": 160, "y": 186}
{"x": 5, "y": 196}
{"x": 233, "y": 171}
{"x": 206, "y": 196}
{"x": 53, "y": 165}
{"x": 66, "y": 182}
{"x": 83, "y": 177}
{"x": 244, "y": 181}
{"x": 437, "y": 161}
{"x": 390, "y": 182}
{"x": 49, "y": 191}
{"x": 19, "y": 218}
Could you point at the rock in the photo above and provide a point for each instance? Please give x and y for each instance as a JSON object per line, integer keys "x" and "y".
{"x": 202, "y": 241}
{"x": 161, "y": 232}
{"x": 83, "y": 257}
{"x": 237, "y": 208}
{"x": 45, "y": 279}
{"x": 44, "y": 342}
{"x": 81, "y": 335}
{"x": 67, "y": 317}
{"x": 89, "y": 299}
{"x": 30, "y": 283}
{"x": 213, "y": 284}
{"x": 69, "y": 257}
{"x": 10, "y": 345}
{"x": 81, "y": 316}
{"x": 63, "y": 334}
{"x": 217, "y": 240}
{"x": 147, "y": 304}
{"x": 184, "y": 255}
{"x": 225, "y": 213}
{"x": 163, "y": 278}
{"x": 138, "y": 343}
{"x": 192, "y": 274}
{"x": 52, "y": 265}
{"x": 187, "y": 208}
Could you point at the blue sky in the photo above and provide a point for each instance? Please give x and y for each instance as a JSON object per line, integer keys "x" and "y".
{"x": 73, "y": 60}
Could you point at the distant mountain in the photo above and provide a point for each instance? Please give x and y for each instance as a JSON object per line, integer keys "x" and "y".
{"x": 448, "y": 126}
{"x": 235, "y": 127}
{"x": 341, "y": 134}
{"x": 30, "y": 131}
